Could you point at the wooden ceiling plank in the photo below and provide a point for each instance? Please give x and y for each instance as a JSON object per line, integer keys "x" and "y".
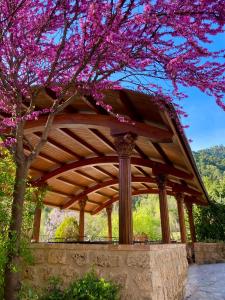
{"x": 103, "y": 171}
{"x": 102, "y": 194}
{"x": 60, "y": 146}
{"x": 81, "y": 141}
{"x": 84, "y": 174}
{"x": 45, "y": 156}
{"x": 106, "y": 141}
{"x": 67, "y": 181}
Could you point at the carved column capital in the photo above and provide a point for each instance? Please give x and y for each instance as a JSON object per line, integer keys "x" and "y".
{"x": 82, "y": 204}
{"x": 161, "y": 181}
{"x": 124, "y": 144}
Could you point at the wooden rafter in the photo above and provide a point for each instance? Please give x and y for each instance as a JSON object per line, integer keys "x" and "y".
{"x": 188, "y": 199}
{"x": 81, "y": 141}
{"x": 162, "y": 153}
{"x": 102, "y": 138}
{"x": 70, "y": 120}
{"x": 60, "y": 146}
{"x": 113, "y": 159}
{"x": 134, "y": 179}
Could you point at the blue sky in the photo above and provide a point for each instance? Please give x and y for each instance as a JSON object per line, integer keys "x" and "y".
{"x": 206, "y": 120}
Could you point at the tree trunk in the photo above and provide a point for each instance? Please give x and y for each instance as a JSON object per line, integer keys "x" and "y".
{"x": 12, "y": 283}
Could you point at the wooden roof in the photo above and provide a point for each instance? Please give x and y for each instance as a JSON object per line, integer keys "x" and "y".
{"x": 80, "y": 161}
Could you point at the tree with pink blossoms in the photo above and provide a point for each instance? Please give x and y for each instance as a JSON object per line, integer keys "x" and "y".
{"x": 80, "y": 47}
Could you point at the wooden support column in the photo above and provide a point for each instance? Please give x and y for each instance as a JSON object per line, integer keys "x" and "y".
{"x": 109, "y": 218}
{"x": 124, "y": 144}
{"x": 82, "y": 204}
{"x": 164, "y": 212}
{"x": 180, "y": 207}
{"x": 191, "y": 221}
{"x": 36, "y": 225}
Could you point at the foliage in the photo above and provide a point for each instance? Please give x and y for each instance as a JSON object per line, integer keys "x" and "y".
{"x": 7, "y": 179}
{"x": 68, "y": 229}
{"x": 89, "y": 287}
{"x": 211, "y": 162}
{"x": 54, "y": 291}
{"x": 53, "y": 218}
{"x": 209, "y": 222}
{"x": 146, "y": 218}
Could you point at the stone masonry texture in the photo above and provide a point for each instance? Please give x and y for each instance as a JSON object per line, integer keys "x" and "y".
{"x": 145, "y": 272}
{"x": 209, "y": 253}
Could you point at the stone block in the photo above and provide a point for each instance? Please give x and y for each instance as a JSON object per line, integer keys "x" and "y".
{"x": 80, "y": 258}
{"x": 106, "y": 260}
{"x": 56, "y": 257}
{"x": 139, "y": 261}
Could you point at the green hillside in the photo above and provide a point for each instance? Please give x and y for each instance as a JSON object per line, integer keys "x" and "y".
{"x": 211, "y": 162}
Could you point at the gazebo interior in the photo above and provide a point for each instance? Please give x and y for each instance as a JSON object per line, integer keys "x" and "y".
{"x": 91, "y": 160}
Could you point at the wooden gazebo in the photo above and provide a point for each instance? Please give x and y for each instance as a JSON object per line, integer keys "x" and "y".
{"x": 92, "y": 160}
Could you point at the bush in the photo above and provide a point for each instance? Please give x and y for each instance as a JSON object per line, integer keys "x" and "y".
{"x": 68, "y": 229}
{"x": 209, "y": 222}
{"x": 54, "y": 290}
{"x": 90, "y": 287}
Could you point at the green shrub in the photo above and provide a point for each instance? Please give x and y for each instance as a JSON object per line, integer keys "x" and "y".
{"x": 209, "y": 222}
{"x": 68, "y": 229}
{"x": 54, "y": 291}
{"x": 91, "y": 287}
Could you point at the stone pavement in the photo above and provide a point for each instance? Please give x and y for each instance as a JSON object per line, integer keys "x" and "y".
{"x": 206, "y": 282}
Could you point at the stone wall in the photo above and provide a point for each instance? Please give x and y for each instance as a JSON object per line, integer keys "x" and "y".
{"x": 156, "y": 272}
{"x": 209, "y": 253}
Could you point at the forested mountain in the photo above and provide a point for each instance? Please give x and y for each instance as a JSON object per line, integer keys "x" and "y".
{"x": 211, "y": 162}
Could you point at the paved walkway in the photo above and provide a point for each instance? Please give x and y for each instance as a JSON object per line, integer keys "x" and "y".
{"x": 206, "y": 282}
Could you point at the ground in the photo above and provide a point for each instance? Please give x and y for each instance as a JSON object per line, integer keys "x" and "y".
{"x": 206, "y": 282}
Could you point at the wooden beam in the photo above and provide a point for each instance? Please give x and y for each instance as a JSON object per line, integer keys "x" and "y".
{"x": 84, "y": 174}
{"x": 112, "y": 159}
{"x": 102, "y": 138}
{"x": 103, "y": 171}
{"x": 92, "y": 103}
{"x": 116, "y": 198}
{"x": 110, "y": 183}
{"x": 45, "y": 156}
{"x": 154, "y": 133}
{"x": 162, "y": 153}
{"x": 129, "y": 106}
